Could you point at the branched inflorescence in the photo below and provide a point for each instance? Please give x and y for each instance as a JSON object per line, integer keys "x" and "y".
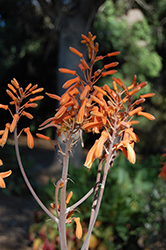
{"x": 21, "y": 99}
{"x": 85, "y": 106}
{"x": 108, "y": 112}
{"x": 90, "y": 108}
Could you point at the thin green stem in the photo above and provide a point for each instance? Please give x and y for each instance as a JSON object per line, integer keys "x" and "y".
{"x": 62, "y": 218}
{"x": 106, "y": 170}
{"x": 27, "y": 181}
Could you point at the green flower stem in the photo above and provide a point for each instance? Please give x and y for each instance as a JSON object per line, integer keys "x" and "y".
{"x": 62, "y": 217}
{"x": 109, "y": 159}
{"x": 27, "y": 181}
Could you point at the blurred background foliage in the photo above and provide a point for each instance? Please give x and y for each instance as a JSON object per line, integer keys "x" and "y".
{"x": 132, "y": 213}
{"x": 134, "y": 200}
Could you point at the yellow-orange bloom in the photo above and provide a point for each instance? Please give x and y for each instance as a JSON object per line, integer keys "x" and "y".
{"x": 30, "y": 140}
{"x": 68, "y": 83}
{"x": 90, "y": 125}
{"x": 116, "y": 53}
{"x": 12, "y": 88}
{"x": 43, "y": 137}
{"x": 147, "y": 115}
{"x": 60, "y": 112}
{"x": 113, "y": 64}
{"x": 37, "y": 98}
{"x": 5, "y": 135}
{"x": 37, "y": 91}
{"x": 75, "y": 51}
{"x": 78, "y": 228}
{"x": 14, "y": 122}
{"x": 135, "y": 111}
{"x": 81, "y": 111}
{"x": 31, "y": 105}
{"x": 84, "y": 92}
{"x": 147, "y": 95}
{"x": 110, "y": 72}
{"x": 100, "y": 144}
{"x": 131, "y": 153}
{"x": 67, "y": 71}
{"x": 28, "y": 115}
{"x": 69, "y": 197}
{"x": 84, "y": 63}
{"x": 2, "y": 176}
{"x": 11, "y": 95}
{"x": 15, "y": 83}
{"x": 3, "y": 106}
{"x": 56, "y": 97}
{"x": 91, "y": 156}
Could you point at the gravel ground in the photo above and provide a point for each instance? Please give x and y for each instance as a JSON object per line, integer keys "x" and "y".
{"x": 16, "y": 215}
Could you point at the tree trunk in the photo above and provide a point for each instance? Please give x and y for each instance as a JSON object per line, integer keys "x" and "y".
{"x": 71, "y": 19}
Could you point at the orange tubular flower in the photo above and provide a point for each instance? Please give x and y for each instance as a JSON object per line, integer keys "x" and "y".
{"x": 30, "y": 140}
{"x": 56, "y": 97}
{"x": 91, "y": 156}
{"x": 11, "y": 95}
{"x": 75, "y": 51}
{"x": 37, "y": 98}
{"x": 135, "y": 111}
{"x": 28, "y": 115}
{"x": 81, "y": 112}
{"x": 100, "y": 144}
{"x": 85, "y": 92}
{"x": 69, "y": 197}
{"x": 2, "y": 176}
{"x": 3, "y": 140}
{"x": 15, "y": 83}
{"x": 60, "y": 112}
{"x": 78, "y": 228}
{"x": 43, "y": 137}
{"x": 147, "y": 115}
{"x": 3, "y": 106}
{"x": 67, "y": 71}
{"x": 110, "y": 72}
{"x": 68, "y": 83}
{"x": 14, "y": 122}
{"x": 31, "y": 105}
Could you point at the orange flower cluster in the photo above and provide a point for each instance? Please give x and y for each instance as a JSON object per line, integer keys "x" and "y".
{"x": 18, "y": 96}
{"x": 73, "y": 111}
{"x": 163, "y": 170}
{"x": 109, "y": 112}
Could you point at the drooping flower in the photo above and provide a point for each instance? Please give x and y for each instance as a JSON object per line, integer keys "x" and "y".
{"x": 30, "y": 140}
{"x": 2, "y": 176}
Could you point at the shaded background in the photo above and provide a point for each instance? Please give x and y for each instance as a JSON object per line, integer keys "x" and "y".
{"x": 34, "y": 41}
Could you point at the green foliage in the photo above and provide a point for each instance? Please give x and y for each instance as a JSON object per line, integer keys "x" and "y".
{"x": 136, "y": 41}
{"x": 133, "y": 204}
